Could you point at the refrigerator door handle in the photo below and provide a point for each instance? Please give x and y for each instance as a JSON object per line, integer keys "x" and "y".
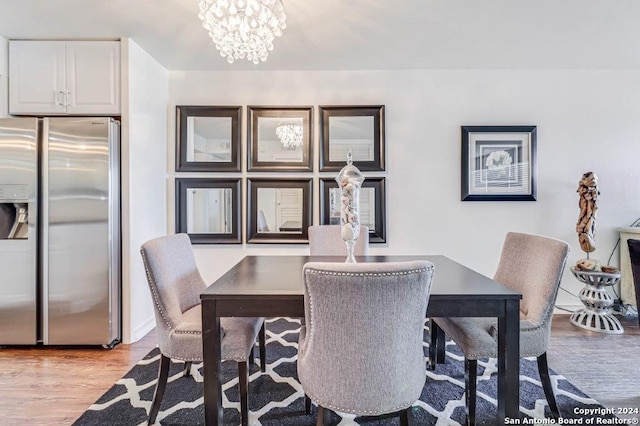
{"x": 44, "y": 225}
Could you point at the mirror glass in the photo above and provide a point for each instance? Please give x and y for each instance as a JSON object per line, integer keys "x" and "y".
{"x": 209, "y": 211}
{"x": 209, "y": 139}
{"x": 280, "y": 139}
{"x": 280, "y": 210}
{"x": 351, "y": 133}
{"x": 367, "y": 207}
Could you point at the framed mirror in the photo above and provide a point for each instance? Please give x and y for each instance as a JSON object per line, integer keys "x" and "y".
{"x": 208, "y": 138}
{"x": 209, "y": 210}
{"x": 279, "y": 139}
{"x": 279, "y": 210}
{"x": 372, "y": 206}
{"x": 359, "y": 129}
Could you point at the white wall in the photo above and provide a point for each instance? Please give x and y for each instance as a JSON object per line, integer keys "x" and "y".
{"x": 587, "y": 120}
{"x": 4, "y": 72}
{"x": 144, "y": 159}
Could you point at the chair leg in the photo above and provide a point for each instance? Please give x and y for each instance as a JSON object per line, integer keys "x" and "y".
{"x": 323, "y": 416}
{"x": 307, "y": 405}
{"x": 470, "y": 377}
{"x": 187, "y": 368}
{"x": 440, "y": 354}
{"x": 406, "y": 417}
{"x": 252, "y": 358}
{"x": 163, "y": 375}
{"x": 243, "y": 383}
{"x": 262, "y": 337}
{"x": 433, "y": 343}
{"x": 543, "y": 370}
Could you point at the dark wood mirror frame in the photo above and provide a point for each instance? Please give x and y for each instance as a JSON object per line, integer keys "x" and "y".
{"x": 183, "y": 112}
{"x": 379, "y": 235}
{"x": 183, "y": 184}
{"x": 375, "y": 111}
{"x": 305, "y": 113}
{"x": 253, "y": 236}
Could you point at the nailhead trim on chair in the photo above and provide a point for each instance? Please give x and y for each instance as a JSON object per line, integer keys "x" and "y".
{"x": 361, "y": 412}
{"x": 153, "y": 291}
{"x": 368, "y": 274}
{"x": 309, "y": 338}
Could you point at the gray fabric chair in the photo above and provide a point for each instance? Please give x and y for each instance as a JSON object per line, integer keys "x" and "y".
{"x": 532, "y": 265}
{"x": 326, "y": 240}
{"x": 361, "y": 348}
{"x": 176, "y": 285}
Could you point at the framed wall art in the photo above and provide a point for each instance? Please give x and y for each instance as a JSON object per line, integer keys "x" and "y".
{"x": 208, "y": 138}
{"x": 355, "y": 129}
{"x": 278, "y": 210}
{"x": 372, "y": 206}
{"x": 498, "y": 163}
{"x": 279, "y": 139}
{"x": 209, "y": 210}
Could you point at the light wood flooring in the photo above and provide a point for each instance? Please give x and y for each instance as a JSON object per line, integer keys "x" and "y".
{"x": 54, "y": 386}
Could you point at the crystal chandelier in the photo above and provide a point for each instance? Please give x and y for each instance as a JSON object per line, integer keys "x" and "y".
{"x": 243, "y": 28}
{"x": 290, "y": 135}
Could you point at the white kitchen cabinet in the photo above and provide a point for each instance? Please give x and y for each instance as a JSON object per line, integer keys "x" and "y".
{"x": 64, "y": 77}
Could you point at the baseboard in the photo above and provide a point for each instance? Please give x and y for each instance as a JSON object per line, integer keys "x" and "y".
{"x": 142, "y": 330}
{"x": 566, "y": 309}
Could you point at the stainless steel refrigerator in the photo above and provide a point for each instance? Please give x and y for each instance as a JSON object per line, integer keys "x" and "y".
{"x": 60, "y": 231}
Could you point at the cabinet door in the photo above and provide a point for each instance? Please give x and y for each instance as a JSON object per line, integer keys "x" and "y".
{"x": 93, "y": 77}
{"x": 36, "y": 77}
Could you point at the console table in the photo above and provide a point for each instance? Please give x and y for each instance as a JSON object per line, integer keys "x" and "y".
{"x": 627, "y": 292}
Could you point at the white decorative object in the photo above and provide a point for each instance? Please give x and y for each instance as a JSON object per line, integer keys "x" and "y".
{"x": 243, "y": 28}
{"x": 349, "y": 181}
{"x": 596, "y": 314}
{"x": 290, "y": 135}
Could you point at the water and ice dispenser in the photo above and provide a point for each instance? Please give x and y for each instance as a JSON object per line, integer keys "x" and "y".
{"x": 14, "y": 211}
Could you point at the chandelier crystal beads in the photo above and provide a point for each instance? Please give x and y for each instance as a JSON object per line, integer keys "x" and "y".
{"x": 243, "y": 28}
{"x": 290, "y": 135}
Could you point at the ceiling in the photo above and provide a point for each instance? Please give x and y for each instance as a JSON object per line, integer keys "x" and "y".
{"x": 360, "y": 34}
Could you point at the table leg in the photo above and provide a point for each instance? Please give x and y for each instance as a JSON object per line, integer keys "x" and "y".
{"x": 212, "y": 355}
{"x": 509, "y": 362}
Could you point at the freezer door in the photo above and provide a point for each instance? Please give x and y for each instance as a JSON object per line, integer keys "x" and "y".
{"x": 18, "y": 230}
{"x": 77, "y": 216}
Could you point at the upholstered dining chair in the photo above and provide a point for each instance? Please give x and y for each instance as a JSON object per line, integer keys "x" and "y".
{"x": 361, "y": 347}
{"x": 326, "y": 240}
{"x": 533, "y": 266}
{"x": 176, "y": 285}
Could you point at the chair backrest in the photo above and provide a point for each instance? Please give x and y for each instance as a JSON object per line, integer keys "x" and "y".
{"x": 634, "y": 256}
{"x": 173, "y": 278}
{"x": 263, "y": 226}
{"x": 362, "y": 350}
{"x": 533, "y": 265}
{"x": 326, "y": 240}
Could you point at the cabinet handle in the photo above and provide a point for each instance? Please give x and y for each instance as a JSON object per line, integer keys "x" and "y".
{"x": 66, "y": 98}
{"x": 57, "y": 95}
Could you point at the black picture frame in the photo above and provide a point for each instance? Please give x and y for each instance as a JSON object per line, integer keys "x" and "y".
{"x": 183, "y": 185}
{"x": 498, "y": 163}
{"x": 376, "y": 235}
{"x": 262, "y": 140}
{"x": 374, "y": 131}
{"x": 184, "y": 135}
{"x": 254, "y": 235}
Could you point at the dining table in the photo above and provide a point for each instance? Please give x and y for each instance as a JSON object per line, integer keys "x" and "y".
{"x": 272, "y": 286}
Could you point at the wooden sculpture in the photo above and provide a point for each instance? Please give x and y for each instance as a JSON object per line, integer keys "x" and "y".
{"x": 586, "y": 226}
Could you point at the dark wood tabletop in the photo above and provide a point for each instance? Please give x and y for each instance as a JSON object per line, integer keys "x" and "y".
{"x": 282, "y": 275}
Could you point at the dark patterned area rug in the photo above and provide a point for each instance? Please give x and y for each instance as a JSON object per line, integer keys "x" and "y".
{"x": 276, "y": 397}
